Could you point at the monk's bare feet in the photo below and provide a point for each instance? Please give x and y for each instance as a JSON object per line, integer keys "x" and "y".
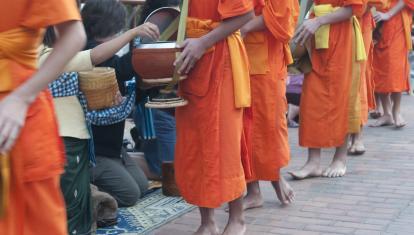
{"x": 357, "y": 148}
{"x": 385, "y": 120}
{"x": 336, "y": 169}
{"x": 252, "y": 200}
{"x": 235, "y": 227}
{"x": 207, "y": 229}
{"x": 284, "y": 191}
{"x": 375, "y": 114}
{"x": 310, "y": 169}
{"x": 399, "y": 121}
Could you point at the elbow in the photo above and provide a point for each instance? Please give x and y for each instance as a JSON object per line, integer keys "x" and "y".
{"x": 81, "y": 36}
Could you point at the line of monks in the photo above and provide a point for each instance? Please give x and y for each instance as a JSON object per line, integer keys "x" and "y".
{"x": 212, "y": 165}
{"x": 233, "y": 131}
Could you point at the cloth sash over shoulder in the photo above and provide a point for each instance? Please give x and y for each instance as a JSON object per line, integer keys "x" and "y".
{"x": 322, "y": 34}
{"x": 197, "y": 28}
{"x": 16, "y": 44}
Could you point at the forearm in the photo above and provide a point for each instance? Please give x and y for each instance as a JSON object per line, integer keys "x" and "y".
{"x": 226, "y": 28}
{"x": 396, "y": 9}
{"x": 106, "y": 50}
{"x": 344, "y": 13}
{"x": 72, "y": 39}
{"x": 254, "y": 25}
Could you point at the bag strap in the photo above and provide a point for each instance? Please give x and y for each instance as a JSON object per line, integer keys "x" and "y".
{"x": 182, "y": 24}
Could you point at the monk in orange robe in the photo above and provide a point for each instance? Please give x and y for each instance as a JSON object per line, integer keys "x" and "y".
{"x": 325, "y": 116}
{"x": 267, "y": 43}
{"x": 209, "y": 169}
{"x": 28, "y": 130}
{"x": 367, "y": 92}
{"x": 391, "y": 67}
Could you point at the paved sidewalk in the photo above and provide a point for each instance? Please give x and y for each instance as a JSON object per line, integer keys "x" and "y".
{"x": 375, "y": 197}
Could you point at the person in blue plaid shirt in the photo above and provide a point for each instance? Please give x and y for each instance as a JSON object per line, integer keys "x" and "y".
{"x": 72, "y": 115}
{"x": 115, "y": 173}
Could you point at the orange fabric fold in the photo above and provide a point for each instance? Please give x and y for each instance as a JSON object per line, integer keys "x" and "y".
{"x": 36, "y": 159}
{"x": 210, "y": 127}
{"x": 15, "y": 44}
{"x": 390, "y": 56}
{"x": 240, "y": 66}
{"x": 326, "y": 89}
{"x": 269, "y": 135}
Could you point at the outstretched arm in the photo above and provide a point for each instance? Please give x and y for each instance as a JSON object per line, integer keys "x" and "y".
{"x": 194, "y": 48}
{"x": 106, "y": 50}
{"x": 13, "y": 108}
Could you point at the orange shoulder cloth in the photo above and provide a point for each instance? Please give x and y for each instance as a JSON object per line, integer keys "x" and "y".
{"x": 239, "y": 61}
{"x": 19, "y": 45}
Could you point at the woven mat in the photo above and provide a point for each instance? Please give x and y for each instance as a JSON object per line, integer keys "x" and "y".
{"x": 151, "y": 212}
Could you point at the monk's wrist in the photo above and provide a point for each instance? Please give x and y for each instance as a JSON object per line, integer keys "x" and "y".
{"x": 21, "y": 96}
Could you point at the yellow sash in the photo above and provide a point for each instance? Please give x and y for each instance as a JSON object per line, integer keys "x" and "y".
{"x": 239, "y": 62}
{"x": 19, "y": 45}
{"x": 322, "y": 34}
{"x": 4, "y": 183}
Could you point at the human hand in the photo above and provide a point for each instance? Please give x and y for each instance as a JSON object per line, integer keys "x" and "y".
{"x": 13, "y": 111}
{"x": 381, "y": 16}
{"x": 147, "y": 30}
{"x": 194, "y": 49}
{"x": 306, "y": 30}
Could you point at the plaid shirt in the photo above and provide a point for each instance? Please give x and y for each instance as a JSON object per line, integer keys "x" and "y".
{"x": 68, "y": 85}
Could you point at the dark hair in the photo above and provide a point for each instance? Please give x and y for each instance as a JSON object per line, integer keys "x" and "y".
{"x": 152, "y": 5}
{"x": 103, "y": 18}
{"x": 50, "y": 37}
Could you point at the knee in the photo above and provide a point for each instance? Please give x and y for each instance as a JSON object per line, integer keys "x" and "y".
{"x": 130, "y": 196}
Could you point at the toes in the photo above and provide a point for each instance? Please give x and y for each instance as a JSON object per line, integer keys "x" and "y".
{"x": 326, "y": 172}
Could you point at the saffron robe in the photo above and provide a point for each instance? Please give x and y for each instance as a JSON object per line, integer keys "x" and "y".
{"x": 208, "y": 163}
{"x": 390, "y": 62}
{"x": 37, "y": 157}
{"x": 269, "y": 56}
{"x": 326, "y": 89}
{"x": 367, "y": 81}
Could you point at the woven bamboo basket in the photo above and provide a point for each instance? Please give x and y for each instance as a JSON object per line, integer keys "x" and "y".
{"x": 100, "y": 87}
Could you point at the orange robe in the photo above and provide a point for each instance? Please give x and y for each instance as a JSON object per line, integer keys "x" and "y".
{"x": 325, "y": 95}
{"x": 390, "y": 62}
{"x": 367, "y": 81}
{"x": 37, "y": 157}
{"x": 208, "y": 163}
{"x": 367, "y": 92}
{"x": 269, "y": 56}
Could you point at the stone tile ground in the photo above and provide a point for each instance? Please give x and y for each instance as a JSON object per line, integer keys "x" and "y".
{"x": 375, "y": 197}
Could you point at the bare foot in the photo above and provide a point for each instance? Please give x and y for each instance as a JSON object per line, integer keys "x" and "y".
{"x": 399, "y": 121}
{"x": 375, "y": 114}
{"x": 357, "y": 148}
{"x": 235, "y": 228}
{"x": 309, "y": 170}
{"x": 385, "y": 120}
{"x": 207, "y": 229}
{"x": 251, "y": 201}
{"x": 284, "y": 191}
{"x": 336, "y": 169}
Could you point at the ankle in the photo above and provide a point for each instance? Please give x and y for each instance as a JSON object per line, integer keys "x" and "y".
{"x": 237, "y": 220}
